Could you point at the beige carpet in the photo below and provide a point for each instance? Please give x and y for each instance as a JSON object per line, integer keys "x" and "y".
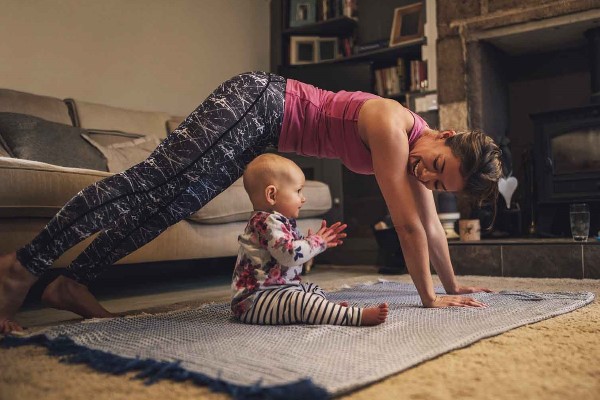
{"x": 557, "y": 358}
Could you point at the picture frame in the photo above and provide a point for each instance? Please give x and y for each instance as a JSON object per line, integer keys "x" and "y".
{"x": 312, "y": 49}
{"x": 302, "y": 12}
{"x": 303, "y": 49}
{"x": 328, "y": 49}
{"x": 407, "y": 24}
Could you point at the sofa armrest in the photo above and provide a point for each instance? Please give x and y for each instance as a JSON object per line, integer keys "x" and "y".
{"x": 36, "y": 189}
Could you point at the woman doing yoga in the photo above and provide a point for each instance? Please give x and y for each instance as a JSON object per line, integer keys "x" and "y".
{"x": 241, "y": 119}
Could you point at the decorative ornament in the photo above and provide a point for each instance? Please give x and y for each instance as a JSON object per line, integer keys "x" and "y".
{"x": 507, "y": 187}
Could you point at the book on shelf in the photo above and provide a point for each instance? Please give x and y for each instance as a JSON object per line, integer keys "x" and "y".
{"x": 367, "y": 47}
{"x": 391, "y": 81}
{"x": 328, "y": 9}
{"x": 418, "y": 75}
{"x": 346, "y": 46}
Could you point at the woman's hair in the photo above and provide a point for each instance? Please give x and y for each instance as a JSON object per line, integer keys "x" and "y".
{"x": 480, "y": 165}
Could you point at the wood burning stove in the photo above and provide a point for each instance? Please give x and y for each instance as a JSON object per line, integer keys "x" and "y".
{"x": 567, "y": 155}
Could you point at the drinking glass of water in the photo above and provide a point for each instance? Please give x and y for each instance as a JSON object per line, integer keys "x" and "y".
{"x": 580, "y": 221}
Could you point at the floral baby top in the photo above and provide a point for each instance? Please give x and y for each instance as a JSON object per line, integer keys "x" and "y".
{"x": 271, "y": 253}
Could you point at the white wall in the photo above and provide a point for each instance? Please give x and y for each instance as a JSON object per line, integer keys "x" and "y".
{"x": 155, "y": 55}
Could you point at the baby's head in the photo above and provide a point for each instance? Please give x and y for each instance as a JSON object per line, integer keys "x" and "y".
{"x": 275, "y": 183}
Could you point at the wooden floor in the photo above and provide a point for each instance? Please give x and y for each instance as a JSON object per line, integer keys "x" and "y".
{"x": 164, "y": 291}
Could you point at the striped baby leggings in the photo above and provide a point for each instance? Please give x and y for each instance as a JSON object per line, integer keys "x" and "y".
{"x": 299, "y": 304}
{"x": 195, "y": 163}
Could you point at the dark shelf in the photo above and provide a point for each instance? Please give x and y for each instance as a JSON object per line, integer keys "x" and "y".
{"x": 340, "y": 26}
{"x": 399, "y": 96}
{"x": 409, "y": 48}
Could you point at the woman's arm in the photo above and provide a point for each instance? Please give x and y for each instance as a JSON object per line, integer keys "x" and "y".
{"x": 437, "y": 241}
{"x": 411, "y": 206}
{"x": 385, "y": 125}
{"x": 436, "y": 237}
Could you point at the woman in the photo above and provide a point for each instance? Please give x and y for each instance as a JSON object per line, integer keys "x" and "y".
{"x": 210, "y": 150}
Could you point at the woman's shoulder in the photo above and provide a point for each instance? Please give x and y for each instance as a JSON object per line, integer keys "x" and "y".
{"x": 383, "y": 117}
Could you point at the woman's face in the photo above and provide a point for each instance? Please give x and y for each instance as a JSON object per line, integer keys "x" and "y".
{"x": 433, "y": 164}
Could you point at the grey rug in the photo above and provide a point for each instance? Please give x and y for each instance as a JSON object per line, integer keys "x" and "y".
{"x": 205, "y": 345}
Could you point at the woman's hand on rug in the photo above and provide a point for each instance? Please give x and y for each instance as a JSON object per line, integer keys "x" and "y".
{"x": 455, "y": 301}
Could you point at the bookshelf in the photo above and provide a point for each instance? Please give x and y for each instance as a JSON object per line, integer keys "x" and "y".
{"x": 344, "y": 27}
{"x": 357, "y": 198}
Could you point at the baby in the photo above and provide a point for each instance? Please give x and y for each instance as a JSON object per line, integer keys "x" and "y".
{"x": 266, "y": 285}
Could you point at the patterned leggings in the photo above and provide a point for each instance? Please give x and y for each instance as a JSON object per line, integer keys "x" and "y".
{"x": 299, "y": 304}
{"x": 196, "y": 162}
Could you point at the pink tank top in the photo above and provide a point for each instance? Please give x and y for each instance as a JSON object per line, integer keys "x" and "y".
{"x": 324, "y": 124}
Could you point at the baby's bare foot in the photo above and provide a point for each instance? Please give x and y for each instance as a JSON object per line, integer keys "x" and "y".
{"x": 374, "y": 315}
{"x": 66, "y": 294}
{"x": 15, "y": 282}
{"x": 344, "y": 303}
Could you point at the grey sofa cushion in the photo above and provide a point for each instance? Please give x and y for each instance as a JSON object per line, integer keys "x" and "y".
{"x": 100, "y": 116}
{"x": 3, "y": 151}
{"x": 174, "y": 122}
{"x": 45, "y": 107}
{"x": 32, "y": 138}
{"x": 121, "y": 150}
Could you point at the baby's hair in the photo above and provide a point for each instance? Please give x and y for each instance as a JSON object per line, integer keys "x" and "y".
{"x": 266, "y": 169}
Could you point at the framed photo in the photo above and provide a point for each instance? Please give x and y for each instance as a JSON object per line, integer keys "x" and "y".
{"x": 304, "y": 49}
{"x": 312, "y": 49}
{"x": 408, "y": 24}
{"x": 328, "y": 49}
{"x": 302, "y": 12}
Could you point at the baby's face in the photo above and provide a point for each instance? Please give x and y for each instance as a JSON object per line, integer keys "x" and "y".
{"x": 289, "y": 198}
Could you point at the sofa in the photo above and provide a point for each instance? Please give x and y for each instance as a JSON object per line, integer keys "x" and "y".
{"x": 51, "y": 148}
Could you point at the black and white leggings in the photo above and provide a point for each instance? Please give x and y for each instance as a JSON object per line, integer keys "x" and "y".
{"x": 195, "y": 163}
{"x": 299, "y": 304}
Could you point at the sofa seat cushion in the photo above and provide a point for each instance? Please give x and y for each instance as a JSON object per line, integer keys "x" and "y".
{"x": 35, "y": 189}
{"x": 99, "y": 116}
{"x": 45, "y": 107}
{"x": 234, "y": 205}
{"x": 32, "y": 138}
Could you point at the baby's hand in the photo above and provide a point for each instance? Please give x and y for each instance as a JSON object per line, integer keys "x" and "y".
{"x": 332, "y": 235}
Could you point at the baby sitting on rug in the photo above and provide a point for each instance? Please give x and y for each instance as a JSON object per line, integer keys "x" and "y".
{"x": 266, "y": 285}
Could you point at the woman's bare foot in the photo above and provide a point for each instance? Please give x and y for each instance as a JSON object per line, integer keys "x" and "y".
{"x": 15, "y": 282}
{"x": 374, "y": 315}
{"x": 66, "y": 294}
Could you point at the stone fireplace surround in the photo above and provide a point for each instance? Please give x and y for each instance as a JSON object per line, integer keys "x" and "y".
{"x": 472, "y": 34}
{"x": 499, "y": 61}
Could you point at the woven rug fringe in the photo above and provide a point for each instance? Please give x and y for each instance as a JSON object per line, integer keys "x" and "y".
{"x": 153, "y": 371}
